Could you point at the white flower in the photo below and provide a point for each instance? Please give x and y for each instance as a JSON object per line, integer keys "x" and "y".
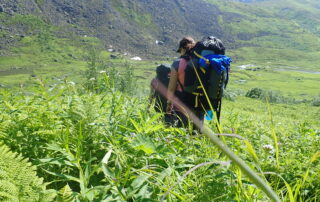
{"x": 71, "y": 83}
{"x": 268, "y": 147}
{"x": 92, "y": 124}
{"x": 101, "y": 72}
{"x": 92, "y": 79}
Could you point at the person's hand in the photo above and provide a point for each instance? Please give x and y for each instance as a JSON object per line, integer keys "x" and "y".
{"x": 169, "y": 107}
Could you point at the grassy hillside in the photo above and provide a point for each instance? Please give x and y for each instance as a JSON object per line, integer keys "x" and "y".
{"x": 269, "y": 34}
{"x": 273, "y": 32}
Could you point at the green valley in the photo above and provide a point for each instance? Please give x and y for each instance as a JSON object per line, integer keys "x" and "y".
{"x": 77, "y": 122}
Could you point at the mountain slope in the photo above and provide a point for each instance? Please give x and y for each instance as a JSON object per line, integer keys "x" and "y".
{"x": 127, "y": 25}
{"x": 285, "y": 30}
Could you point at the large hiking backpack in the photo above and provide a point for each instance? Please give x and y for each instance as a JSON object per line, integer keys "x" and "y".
{"x": 206, "y": 75}
{"x": 162, "y": 77}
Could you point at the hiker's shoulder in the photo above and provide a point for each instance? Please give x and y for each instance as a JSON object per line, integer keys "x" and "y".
{"x": 175, "y": 63}
{"x": 180, "y": 59}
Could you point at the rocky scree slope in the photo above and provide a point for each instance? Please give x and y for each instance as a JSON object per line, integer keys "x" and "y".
{"x": 141, "y": 26}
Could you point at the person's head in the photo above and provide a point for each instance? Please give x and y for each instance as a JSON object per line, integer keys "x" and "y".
{"x": 185, "y": 44}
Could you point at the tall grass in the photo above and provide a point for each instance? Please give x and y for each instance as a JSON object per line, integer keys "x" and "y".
{"x": 105, "y": 146}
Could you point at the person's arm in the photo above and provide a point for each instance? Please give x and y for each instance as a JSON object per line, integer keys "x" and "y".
{"x": 152, "y": 92}
{"x": 172, "y": 88}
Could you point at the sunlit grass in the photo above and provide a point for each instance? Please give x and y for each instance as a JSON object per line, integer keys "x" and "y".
{"x": 109, "y": 144}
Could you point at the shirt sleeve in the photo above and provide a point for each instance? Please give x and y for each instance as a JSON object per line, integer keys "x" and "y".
{"x": 175, "y": 64}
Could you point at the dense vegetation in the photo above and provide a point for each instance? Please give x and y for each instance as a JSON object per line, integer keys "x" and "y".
{"x": 76, "y": 122}
{"x": 98, "y": 142}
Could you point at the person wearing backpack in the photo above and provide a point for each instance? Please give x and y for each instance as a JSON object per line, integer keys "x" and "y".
{"x": 175, "y": 114}
{"x": 207, "y": 75}
{"x": 201, "y": 77}
{"x": 195, "y": 84}
{"x": 168, "y": 85}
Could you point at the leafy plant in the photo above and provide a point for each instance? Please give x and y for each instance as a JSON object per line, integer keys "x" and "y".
{"x": 105, "y": 145}
{"x": 18, "y": 179}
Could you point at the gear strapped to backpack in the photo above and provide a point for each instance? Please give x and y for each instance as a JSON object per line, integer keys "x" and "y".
{"x": 206, "y": 75}
{"x": 163, "y": 76}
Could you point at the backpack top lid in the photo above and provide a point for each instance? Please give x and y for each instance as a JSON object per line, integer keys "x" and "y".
{"x": 210, "y": 43}
{"x": 212, "y": 49}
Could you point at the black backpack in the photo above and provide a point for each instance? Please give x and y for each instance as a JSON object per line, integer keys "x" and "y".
{"x": 163, "y": 77}
{"x": 206, "y": 75}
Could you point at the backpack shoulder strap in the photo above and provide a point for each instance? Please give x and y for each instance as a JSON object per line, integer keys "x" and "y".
{"x": 181, "y": 72}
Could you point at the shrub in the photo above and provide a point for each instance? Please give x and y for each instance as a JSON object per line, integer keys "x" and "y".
{"x": 254, "y": 93}
{"x": 316, "y": 102}
{"x": 269, "y": 95}
{"x": 230, "y": 95}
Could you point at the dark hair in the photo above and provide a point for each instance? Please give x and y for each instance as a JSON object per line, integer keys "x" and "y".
{"x": 184, "y": 42}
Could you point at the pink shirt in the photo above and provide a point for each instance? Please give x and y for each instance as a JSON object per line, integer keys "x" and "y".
{"x": 182, "y": 66}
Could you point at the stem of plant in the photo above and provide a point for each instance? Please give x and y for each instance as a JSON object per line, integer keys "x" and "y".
{"x": 214, "y": 138}
{"x": 245, "y": 169}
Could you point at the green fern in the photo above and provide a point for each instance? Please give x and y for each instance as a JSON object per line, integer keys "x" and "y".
{"x": 18, "y": 179}
{"x": 65, "y": 194}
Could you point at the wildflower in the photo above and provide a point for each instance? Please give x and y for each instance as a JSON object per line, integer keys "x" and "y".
{"x": 92, "y": 124}
{"x": 268, "y": 147}
{"x": 92, "y": 79}
{"x": 71, "y": 83}
{"x": 101, "y": 72}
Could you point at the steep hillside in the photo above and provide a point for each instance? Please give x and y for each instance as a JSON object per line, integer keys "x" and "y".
{"x": 285, "y": 32}
{"x": 126, "y": 25}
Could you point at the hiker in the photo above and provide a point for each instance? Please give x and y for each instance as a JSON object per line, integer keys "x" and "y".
{"x": 194, "y": 84}
{"x": 207, "y": 75}
{"x": 176, "y": 115}
{"x": 198, "y": 79}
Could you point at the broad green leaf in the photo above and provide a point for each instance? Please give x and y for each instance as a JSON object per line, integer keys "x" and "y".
{"x": 136, "y": 184}
{"x": 144, "y": 194}
{"x": 106, "y": 157}
{"x": 67, "y": 177}
{"x": 108, "y": 172}
{"x": 145, "y": 144}
{"x": 166, "y": 172}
